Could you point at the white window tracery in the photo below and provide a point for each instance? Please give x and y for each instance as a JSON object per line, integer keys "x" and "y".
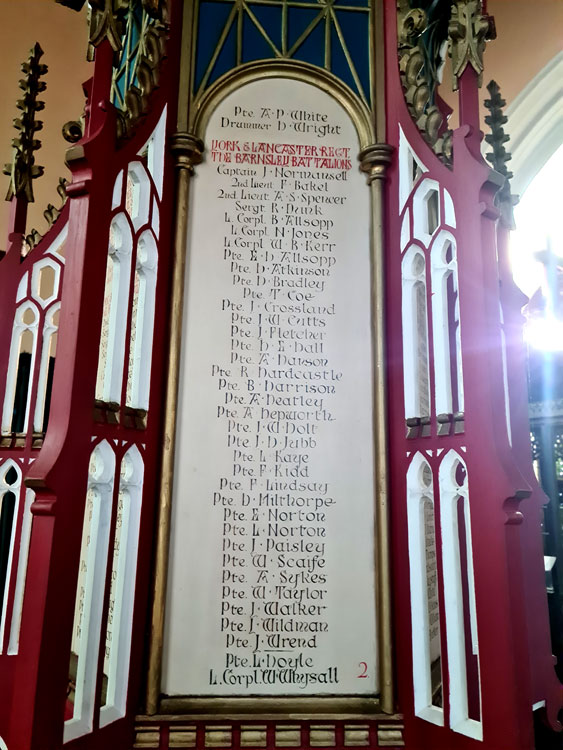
{"x": 448, "y": 374}
{"x": 25, "y": 539}
{"x": 23, "y": 348}
{"x": 46, "y": 367}
{"x": 116, "y": 302}
{"x": 459, "y": 598}
{"x": 122, "y": 588}
{"x": 142, "y": 323}
{"x": 425, "y": 609}
{"x": 10, "y": 491}
{"x": 129, "y": 309}
{"x": 83, "y": 667}
{"x": 415, "y": 334}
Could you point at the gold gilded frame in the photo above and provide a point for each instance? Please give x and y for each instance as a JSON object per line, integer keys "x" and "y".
{"x": 193, "y": 117}
{"x": 204, "y": 107}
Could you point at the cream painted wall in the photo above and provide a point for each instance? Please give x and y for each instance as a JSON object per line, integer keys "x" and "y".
{"x": 63, "y": 36}
{"x": 529, "y": 34}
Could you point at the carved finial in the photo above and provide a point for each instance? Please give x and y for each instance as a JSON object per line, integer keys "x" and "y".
{"x": 23, "y": 169}
{"x": 499, "y": 156}
{"x": 468, "y": 31}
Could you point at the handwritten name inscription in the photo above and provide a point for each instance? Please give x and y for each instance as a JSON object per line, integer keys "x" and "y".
{"x": 271, "y": 587}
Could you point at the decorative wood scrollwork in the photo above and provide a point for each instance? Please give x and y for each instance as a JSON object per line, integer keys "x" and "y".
{"x": 152, "y": 50}
{"x": 137, "y": 32}
{"x": 422, "y": 36}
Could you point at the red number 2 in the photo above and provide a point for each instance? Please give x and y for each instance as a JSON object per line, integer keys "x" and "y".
{"x": 364, "y": 667}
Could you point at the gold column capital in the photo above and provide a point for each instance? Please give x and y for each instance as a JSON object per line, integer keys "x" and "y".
{"x": 374, "y": 161}
{"x": 187, "y": 150}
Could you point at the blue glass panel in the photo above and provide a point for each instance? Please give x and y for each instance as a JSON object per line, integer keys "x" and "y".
{"x": 355, "y": 3}
{"x": 133, "y": 35}
{"x": 270, "y": 18}
{"x": 138, "y": 12}
{"x": 355, "y": 30}
{"x": 339, "y": 64}
{"x": 211, "y": 22}
{"x": 297, "y": 21}
{"x": 120, "y": 84}
{"x": 254, "y": 46}
{"x": 227, "y": 59}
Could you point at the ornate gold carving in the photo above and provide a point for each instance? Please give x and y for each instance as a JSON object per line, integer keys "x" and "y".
{"x": 52, "y": 212}
{"x": 414, "y": 65}
{"x": 152, "y": 50}
{"x": 23, "y": 169}
{"x": 31, "y": 241}
{"x": 114, "y": 20}
{"x": 468, "y": 31}
{"x": 106, "y": 22}
{"x": 73, "y": 131}
{"x": 51, "y": 215}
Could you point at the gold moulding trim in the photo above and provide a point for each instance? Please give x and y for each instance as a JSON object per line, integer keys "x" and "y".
{"x": 266, "y": 707}
{"x": 255, "y": 735}
{"x": 375, "y": 159}
{"x": 205, "y": 105}
{"x": 187, "y": 150}
{"x": 220, "y": 736}
{"x": 390, "y": 736}
{"x": 322, "y": 736}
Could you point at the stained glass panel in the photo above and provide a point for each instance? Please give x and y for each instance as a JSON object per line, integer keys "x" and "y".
{"x": 328, "y": 34}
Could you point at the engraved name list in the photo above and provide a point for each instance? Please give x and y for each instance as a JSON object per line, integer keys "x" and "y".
{"x": 272, "y": 580}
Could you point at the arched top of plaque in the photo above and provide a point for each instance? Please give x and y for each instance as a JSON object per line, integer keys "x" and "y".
{"x": 288, "y": 69}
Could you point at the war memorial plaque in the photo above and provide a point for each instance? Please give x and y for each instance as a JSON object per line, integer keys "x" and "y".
{"x": 272, "y": 582}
